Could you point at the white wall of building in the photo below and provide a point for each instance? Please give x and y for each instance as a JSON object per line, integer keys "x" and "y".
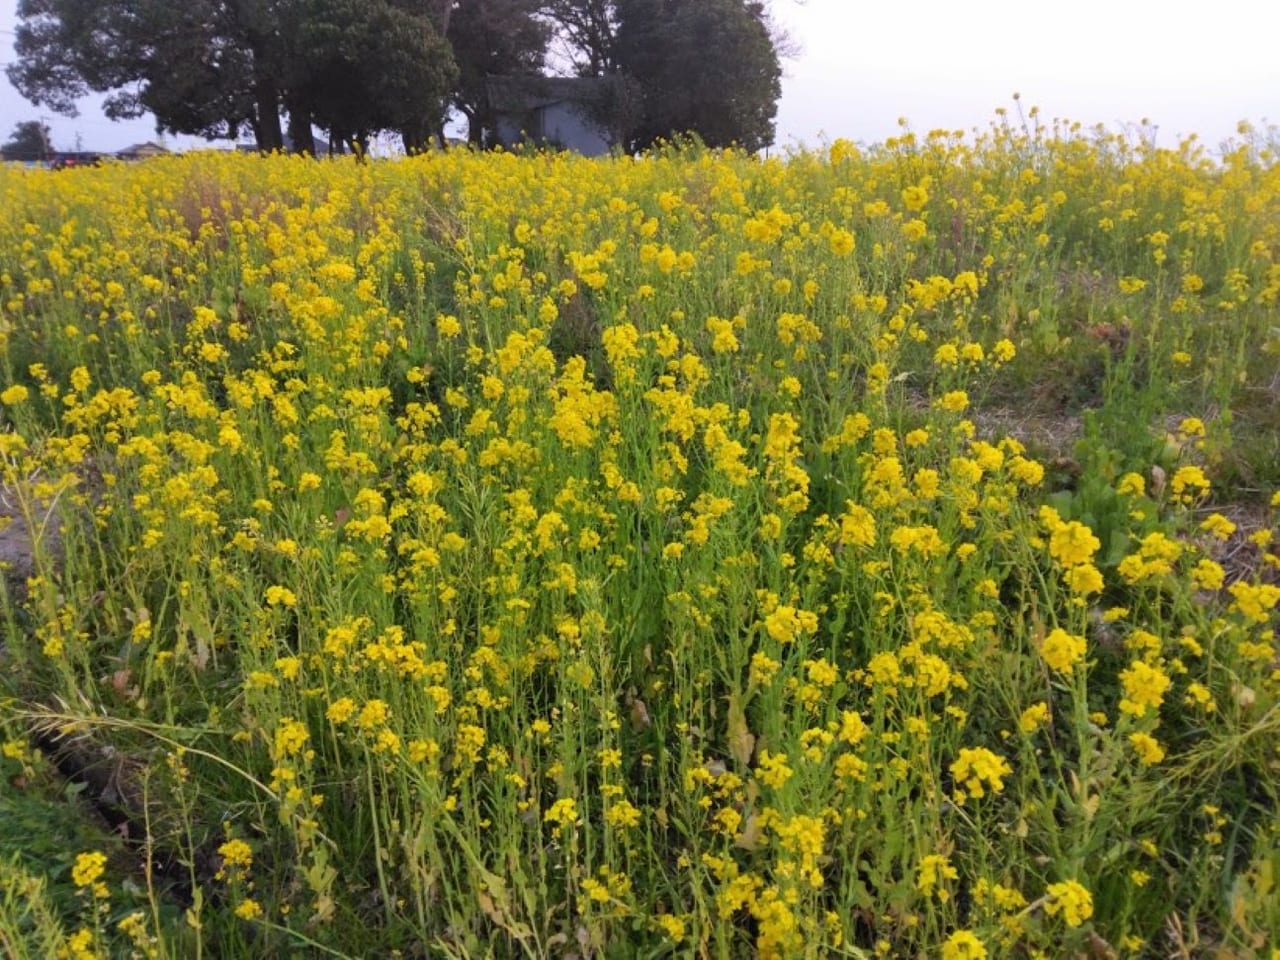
{"x": 561, "y": 124}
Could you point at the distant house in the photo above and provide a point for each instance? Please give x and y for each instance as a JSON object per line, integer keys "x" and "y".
{"x": 142, "y": 151}
{"x": 553, "y": 111}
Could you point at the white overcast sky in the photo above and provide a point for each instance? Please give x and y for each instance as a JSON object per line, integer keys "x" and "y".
{"x": 1188, "y": 65}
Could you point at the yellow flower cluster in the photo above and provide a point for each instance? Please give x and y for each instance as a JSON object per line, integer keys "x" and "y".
{"x": 1070, "y": 900}
{"x": 977, "y": 770}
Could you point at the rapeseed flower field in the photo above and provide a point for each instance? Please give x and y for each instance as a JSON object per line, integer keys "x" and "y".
{"x": 525, "y": 555}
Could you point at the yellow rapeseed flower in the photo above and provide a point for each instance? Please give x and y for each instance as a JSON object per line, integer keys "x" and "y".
{"x": 933, "y": 872}
{"x": 977, "y": 770}
{"x": 248, "y": 909}
{"x": 1071, "y": 900}
{"x": 1073, "y": 544}
{"x": 88, "y": 868}
{"x": 562, "y": 814}
{"x": 963, "y": 945}
{"x": 14, "y": 395}
{"x": 1147, "y": 747}
{"x": 1144, "y": 688}
{"x": 1033, "y": 717}
{"x": 1061, "y": 651}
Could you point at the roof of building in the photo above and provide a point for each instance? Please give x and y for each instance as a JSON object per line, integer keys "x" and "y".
{"x": 140, "y": 148}
{"x": 522, "y": 94}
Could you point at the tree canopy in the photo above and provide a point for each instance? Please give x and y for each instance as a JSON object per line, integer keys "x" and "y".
{"x": 30, "y": 140}
{"x": 708, "y": 67}
{"x": 216, "y": 68}
{"x": 703, "y": 66}
{"x": 213, "y": 68}
{"x": 191, "y": 64}
{"x": 360, "y": 67}
{"x": 586, "y": 34}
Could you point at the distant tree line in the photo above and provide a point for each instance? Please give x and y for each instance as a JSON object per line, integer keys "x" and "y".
{"x": 356, "y": 68}
{"x": 29, "y": 142}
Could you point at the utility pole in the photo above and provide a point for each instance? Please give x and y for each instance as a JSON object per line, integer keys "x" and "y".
{"x": 44, "y": 136}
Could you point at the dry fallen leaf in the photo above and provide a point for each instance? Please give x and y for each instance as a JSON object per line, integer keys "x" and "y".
{"x": 640, "y": 716}
{"x": 750, "y": 836}
{"x": 1157, "y": 481}
{"x": 742, "y": 742}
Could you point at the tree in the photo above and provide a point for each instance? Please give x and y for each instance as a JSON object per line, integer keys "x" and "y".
{"x": 215, "y": 67}
{"x": 708, "y": 67}
{"x": 362, "y": 66}
{"x": 29, "y": 141}
{"x": 203, "y": 67}
{"x": 212, "y": 69}
{"x": 493, "y": 38}
{"x": 586, "y": 33}
{"x": 705, "y": 66}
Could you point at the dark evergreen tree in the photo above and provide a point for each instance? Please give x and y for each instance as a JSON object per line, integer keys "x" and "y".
{"x": 707, "y": 67}
{"x": 704, "y": 67}
{"x": 359, "y": 67}
{"x": 29, "y": 141}
{"x": 213, "y": 68}
{"x": 203, "y": 67}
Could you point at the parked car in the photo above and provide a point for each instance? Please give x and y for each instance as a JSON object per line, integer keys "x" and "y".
{"x": 65, "y": 161}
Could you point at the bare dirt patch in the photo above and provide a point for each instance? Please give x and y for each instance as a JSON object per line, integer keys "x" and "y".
{"x": 1055, "y": 434}
{"x": 19, "y": 537}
